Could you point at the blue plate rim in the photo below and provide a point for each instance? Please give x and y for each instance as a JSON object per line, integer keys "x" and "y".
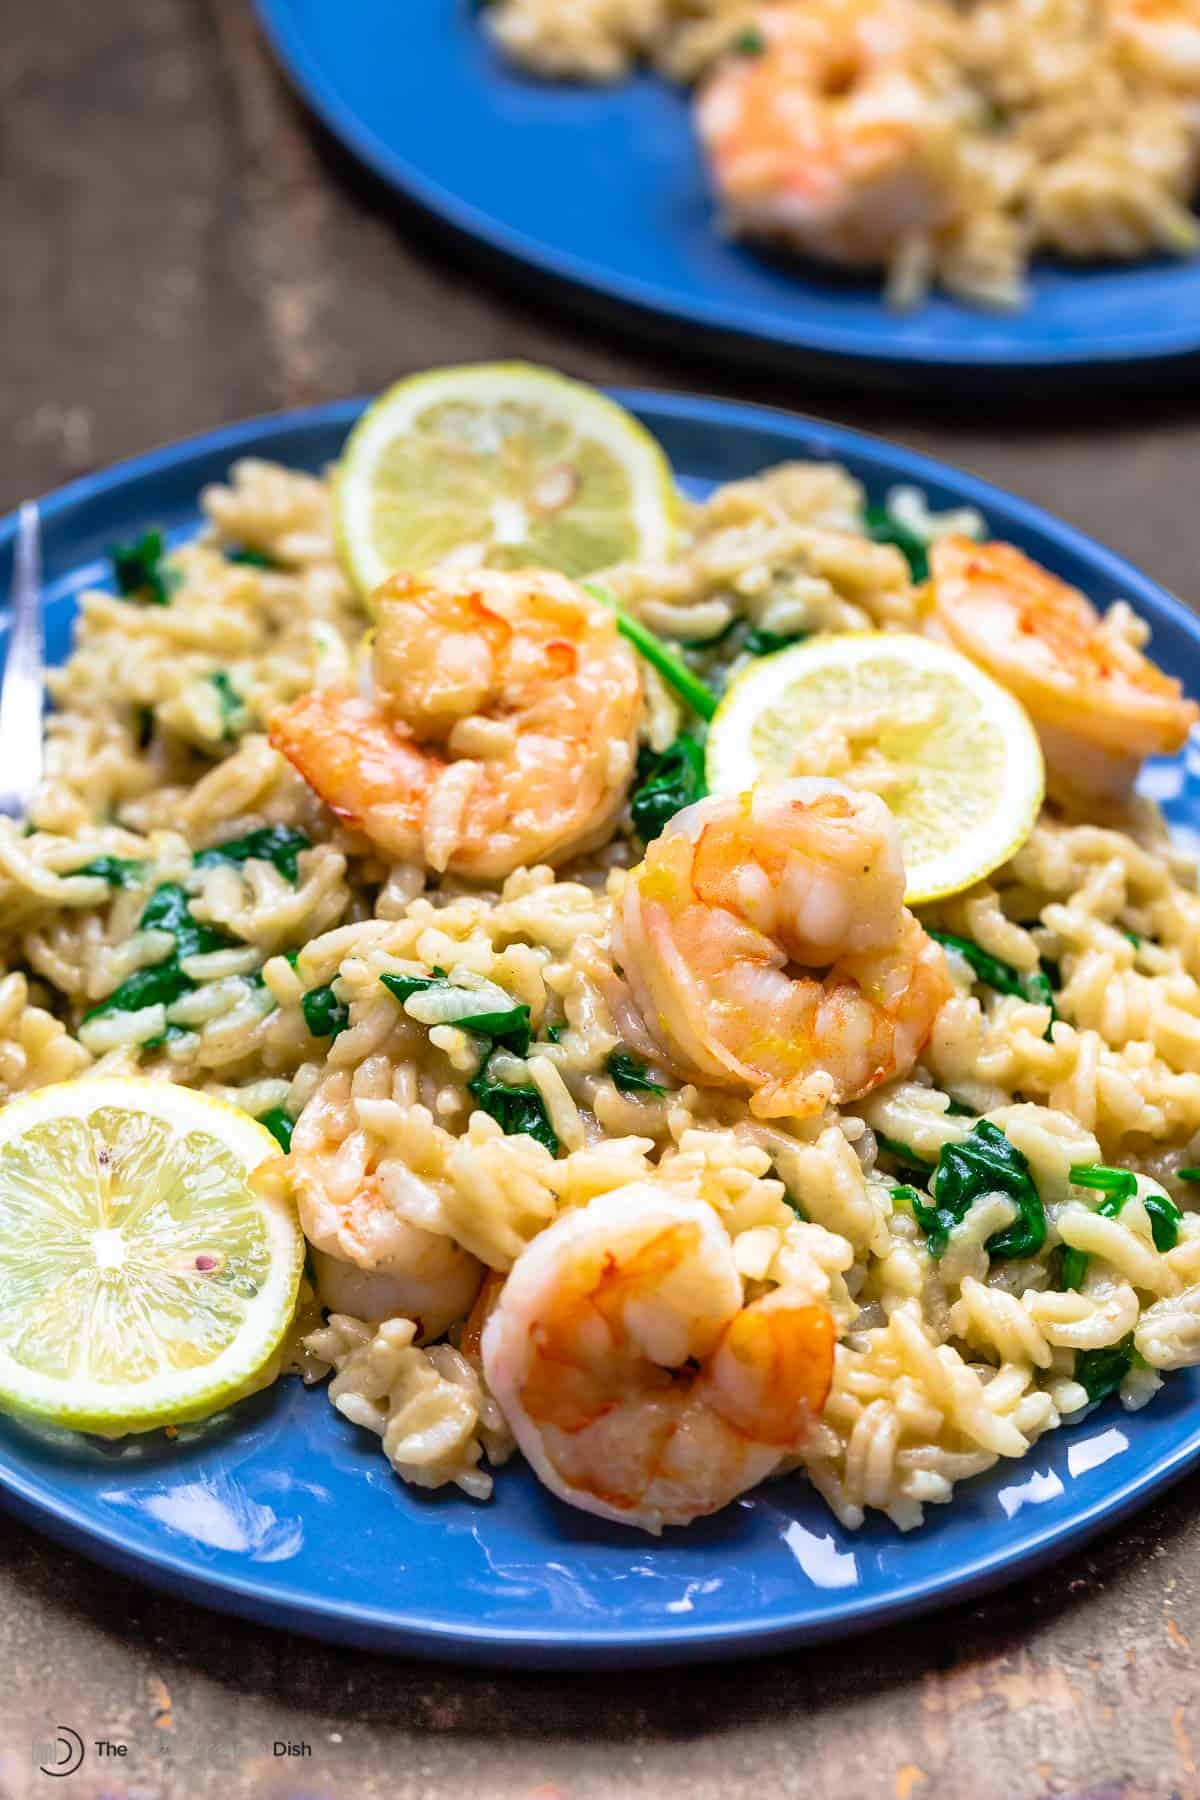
{"x": 1157, "y": 345}
{"x": 286, "y": 1605}
{"x": 704, "y": 410}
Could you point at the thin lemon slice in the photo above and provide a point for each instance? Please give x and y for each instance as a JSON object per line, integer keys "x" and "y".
{"x": 502, "y": 464}
{"x": 142, "y": 1280}
{"x": 953, "y": 754}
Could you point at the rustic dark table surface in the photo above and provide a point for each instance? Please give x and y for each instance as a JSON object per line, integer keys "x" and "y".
{"x": 182, "y": 247}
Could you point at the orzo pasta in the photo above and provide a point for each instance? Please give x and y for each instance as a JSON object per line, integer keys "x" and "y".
{"x": 677, "y": 1150}
{"x": 945, "y": 142}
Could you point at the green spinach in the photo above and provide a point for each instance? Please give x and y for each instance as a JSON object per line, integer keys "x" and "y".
{"x": 280, "y": 1125}
{"x": 516, "y": 1110}
{"x": 666, "y": 781}
{"x": 278, "y": 845}
{"x": 983, "y": 1163}
{"x": 140, "y": 571}
{"x": 254, "y": 559}
{"x": 749, "y": 42}
{"x": 1120, "y": 1185}
{"x": 1001, "y": 975}
{"x": 1101, "y": 1372}
{"x": 674, "y": 672}
{"x": 630, "y": 1074}
{"x": 908, "y": 1159}
{"x": 506, "y": 1028}
{"x": 232, "y": 706}
{"x": 884, "y": 529}
{"x": 118, "y": 871}
{"x": 766, "y": 643}
{"x": 325, "y": 1015}
{"x": 167, "y": 909}
{"x": 160, "y": 985}
{"x": 1074, "y": 1267}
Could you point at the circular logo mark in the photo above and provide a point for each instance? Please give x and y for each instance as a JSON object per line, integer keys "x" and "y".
{"x": 65, "y": 1754}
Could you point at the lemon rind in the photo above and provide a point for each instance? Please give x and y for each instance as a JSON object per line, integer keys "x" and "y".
{"x": 731, "y": 767}
{"x": 657, "y": 503}
{"x": 113, "y": 1409}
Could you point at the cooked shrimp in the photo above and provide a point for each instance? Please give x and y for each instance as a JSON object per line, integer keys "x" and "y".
{"x": 501, "y": 730}
{"x": 767, "y": 947}
{"x": 1160, "y": 39}
{"x": 373, "y": 1262}
{"x": 831, "y": 136}
{"x": 1099, "y": 705}
{"x": 636, "y": 1382}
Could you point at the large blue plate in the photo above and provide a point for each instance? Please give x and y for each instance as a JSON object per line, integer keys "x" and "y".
{"x": 284, "y": 1512}
{"x": 603, "y": 189}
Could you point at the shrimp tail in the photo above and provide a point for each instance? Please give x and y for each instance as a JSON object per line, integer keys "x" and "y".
{"x": 771, "y": 1373}
{"x": 366, "y": 772}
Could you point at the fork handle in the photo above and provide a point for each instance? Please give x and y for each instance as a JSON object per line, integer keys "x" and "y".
{"x": 21, "y": 695}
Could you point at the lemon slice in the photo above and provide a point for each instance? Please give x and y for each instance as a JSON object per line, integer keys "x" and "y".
{"x": 502, "y": 464}
{"x": 142, "y": 1281}
{"x": 953, "y": 754}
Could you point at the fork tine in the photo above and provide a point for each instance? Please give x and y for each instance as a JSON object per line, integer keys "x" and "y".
{"x": 21, "y": 694}
{"x": 28, "y": 566}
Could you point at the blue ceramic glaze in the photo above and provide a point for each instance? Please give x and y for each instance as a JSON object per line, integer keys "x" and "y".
{"x": 603, "y": 189}
{"x": 283, "y": 1512}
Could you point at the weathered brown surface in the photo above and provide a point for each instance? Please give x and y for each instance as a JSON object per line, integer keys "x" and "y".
{"x": 179, "y": 248}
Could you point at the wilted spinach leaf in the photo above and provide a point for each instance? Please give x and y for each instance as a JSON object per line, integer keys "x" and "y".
{"x": 254, "y": 559}
{"x": 908, "y": 1159}
{"x": 280, "y": 1125}
{"x": 884, "y": 529}
{"x": 158, "y": 986}
{"x": 278, "y": 845}
{"x": 166, "y": 910}
{"x": 983, "y": 1163}
{"x": 766, "y": 643}
{"x": 1074, "y": 1267}
{"x": 232, "y": 706}
{"x": 515, "y": 1109}
{"x": 118, "y": 871}
{"x": 325, "y": 1015}
{"x": 1001, "y": 975}
{"x": 666, "y": 781}
{"x": 1101, "y": 1372}
{"x": 749, "y": 42}
{"x": 1120, "y": 1185}
{"x": 630, "y": 1074}
{"x": 140, "y": 571}
{"x": 507, "y": 1027}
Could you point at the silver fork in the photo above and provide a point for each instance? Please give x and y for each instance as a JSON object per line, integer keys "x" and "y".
{"x": 22, "y": 690}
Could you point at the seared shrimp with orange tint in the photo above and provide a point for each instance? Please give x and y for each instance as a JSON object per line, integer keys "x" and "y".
{"x": 1160, "y": 39}
{"x": 1099, "y": 705}
{"x": 767, "y": 948}
{"x": 635, "y": 1379}
{"x": 501, "y": 729}
{"x": 828, "y": 133}
{"x": 370, "y": 1257}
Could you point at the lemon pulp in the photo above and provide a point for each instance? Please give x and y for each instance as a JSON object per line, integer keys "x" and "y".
{"x": 500, "y": 464}
{"x": 142, "y": 1279}
{"x": 952, "y": 753}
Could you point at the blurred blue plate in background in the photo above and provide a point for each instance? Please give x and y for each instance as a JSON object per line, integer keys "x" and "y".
{"x": 284, "y": 1512}
{"x": 603, "y": 190}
